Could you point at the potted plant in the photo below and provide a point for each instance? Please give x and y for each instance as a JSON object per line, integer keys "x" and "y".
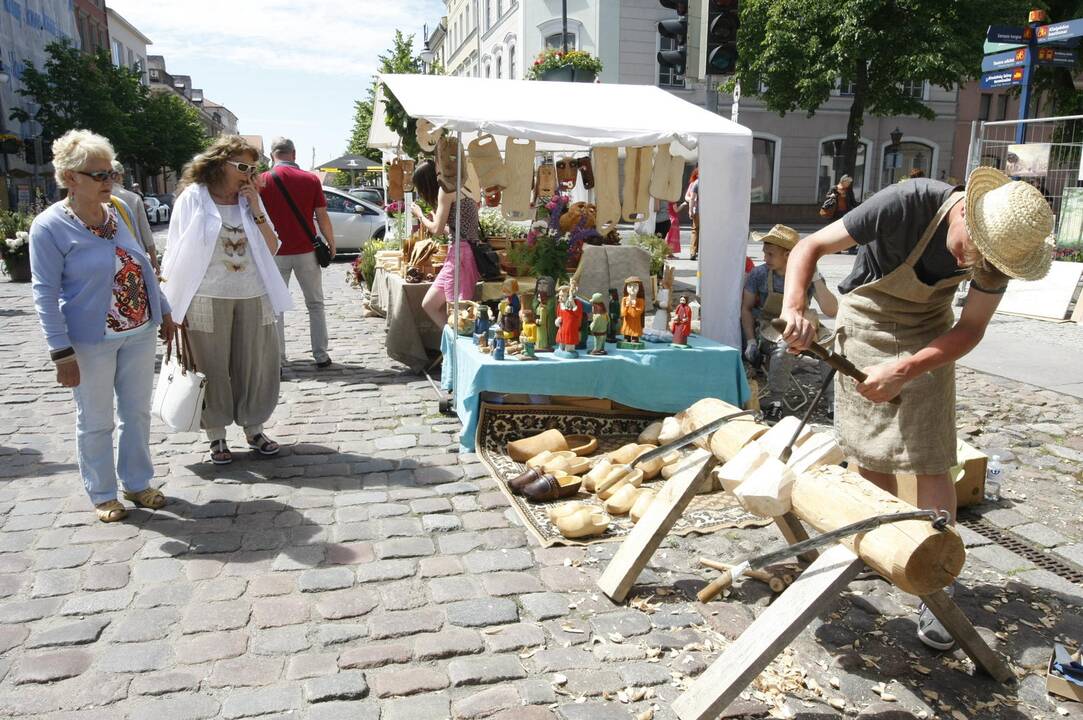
{"x": 16, "y": 253}
{"x": 571, "y": 66}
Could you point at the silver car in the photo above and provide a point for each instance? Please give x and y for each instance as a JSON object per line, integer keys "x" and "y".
{"x": 157, "y": 211}
{"x": 355, "y": 221}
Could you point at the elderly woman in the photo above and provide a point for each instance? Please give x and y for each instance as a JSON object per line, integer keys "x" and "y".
{"x": 98, "y": 301}
{"x": 223, "y": 284}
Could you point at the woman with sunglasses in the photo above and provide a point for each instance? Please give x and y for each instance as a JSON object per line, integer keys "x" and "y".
{"x": 223, "y": 284}
{"x": 98, "y": 302}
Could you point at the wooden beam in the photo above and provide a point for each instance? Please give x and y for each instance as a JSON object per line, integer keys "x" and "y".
{"x": 636, "y": 550}
{"x": 815, "y": 589}
{"x": 794, "y": 532}
{"x": 960, "y": 627}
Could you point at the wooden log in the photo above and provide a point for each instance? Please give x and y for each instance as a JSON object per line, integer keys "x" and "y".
{"x": 728, "y": 439}
{"x": 913, "y": 555}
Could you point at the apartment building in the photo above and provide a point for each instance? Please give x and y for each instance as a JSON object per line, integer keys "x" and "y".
{"x": 127, "y": 46}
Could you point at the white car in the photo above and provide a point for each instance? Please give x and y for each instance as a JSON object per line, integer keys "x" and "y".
{"x": 355, "y": 221}
{"x": 157, "y": 211}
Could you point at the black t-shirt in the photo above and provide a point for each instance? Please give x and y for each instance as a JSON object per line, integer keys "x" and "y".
{"x": 889, "y": 225}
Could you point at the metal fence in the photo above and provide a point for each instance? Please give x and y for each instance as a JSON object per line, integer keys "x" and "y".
{"x": 1051, "y": 159}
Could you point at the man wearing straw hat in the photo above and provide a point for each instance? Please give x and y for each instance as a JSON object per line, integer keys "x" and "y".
{"x": 762, "y": 303}
{"x": 917, "y": 241}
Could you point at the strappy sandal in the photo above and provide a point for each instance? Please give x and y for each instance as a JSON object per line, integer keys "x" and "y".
{"x": 111, "y": 511}
{"x": 220, "y": 454}
{"x": 263, "y": 444}
{"x": 151, "y": 498}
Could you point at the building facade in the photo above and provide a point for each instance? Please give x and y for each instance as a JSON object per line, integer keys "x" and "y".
{"x": 127, "y": 46}
{"x": 25, "y": 31}
{"x": 92, "y": 24}
{"x": 796, "y": 158}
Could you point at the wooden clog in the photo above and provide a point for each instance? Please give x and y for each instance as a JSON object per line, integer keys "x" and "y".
{"x": 650, "y": 434}
{"x": 519, "y": 166}
{"x": 637, "y": 177}
{"x": 598, "y": 472}
{"x": 642, "y": 504}
{"x": 552, "y": 461}
{"x": 671, "y": 430}
{"x": 553, "y": 487}
{"x": 582, "y": 445}
{"x": 569, "y": 463}
{"x": 525, "y": 448}
{"x": 606, "y": 489}
{"x": 581, "y": 520}
{"x": 650, "y": 469}
{"x": 621, "y": 501}
{"x": 485, "y": 154}
{"x": 624, "y": 454}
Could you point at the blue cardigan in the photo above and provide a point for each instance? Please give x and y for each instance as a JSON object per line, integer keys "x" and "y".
{"x": 73, "y": 273}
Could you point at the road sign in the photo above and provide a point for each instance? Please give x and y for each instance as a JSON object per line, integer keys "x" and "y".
{"x": 1002, "y": 79}
{"x": 990, "y": 48}
{"x": 1004, "y": 60}
{"x": 1008, "y": 34}
{"x": 1057, "y": 56}
{"x": 1060, "y": 32}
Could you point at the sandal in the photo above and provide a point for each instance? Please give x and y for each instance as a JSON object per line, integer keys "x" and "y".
{"x": 220, "y": 454}
{"x": 263, "y": 444}
{"x": 111, "y": 511}
{"x": 151, "y": 498}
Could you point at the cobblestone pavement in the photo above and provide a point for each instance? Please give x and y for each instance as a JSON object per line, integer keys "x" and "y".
{"x": 372, "y": 572}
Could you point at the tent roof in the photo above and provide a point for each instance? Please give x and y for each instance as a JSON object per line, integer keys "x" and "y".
{"x": 568, "y": 114}
{"x": 348, "y": 162}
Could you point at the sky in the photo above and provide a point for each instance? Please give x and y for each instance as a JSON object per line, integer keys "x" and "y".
{"x": 283, "y": 67}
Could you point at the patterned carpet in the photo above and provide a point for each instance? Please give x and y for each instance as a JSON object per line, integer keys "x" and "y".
{"x": 500, "y": 424}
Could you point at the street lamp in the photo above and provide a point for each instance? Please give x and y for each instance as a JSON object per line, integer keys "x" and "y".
{"x": 896, "y": 136}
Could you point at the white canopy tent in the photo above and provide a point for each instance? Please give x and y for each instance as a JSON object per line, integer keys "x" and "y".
{"x": 578, "y": 116}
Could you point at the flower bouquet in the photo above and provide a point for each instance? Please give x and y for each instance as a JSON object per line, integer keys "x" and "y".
{"x": 15, "y": 248}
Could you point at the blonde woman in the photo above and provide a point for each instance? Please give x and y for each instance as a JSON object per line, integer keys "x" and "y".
{"x": 223, "y": 284}
{"x": 98, "y": 301}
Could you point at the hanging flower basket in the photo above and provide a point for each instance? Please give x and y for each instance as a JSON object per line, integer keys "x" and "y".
{"x": 571, "y": 66}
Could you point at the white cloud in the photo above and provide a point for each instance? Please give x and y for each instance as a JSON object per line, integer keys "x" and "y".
{"x": 340, "y": 38}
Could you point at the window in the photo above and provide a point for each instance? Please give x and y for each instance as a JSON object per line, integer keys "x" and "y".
{"x": 556, "y": 41}
{"x": 118, "y": 53}
{"x": 488, "y": 14}
{"x": 498, "y": 62}
{"x": 338, "y": 203}
{"x": 668, "y": 76}
{"x": 900, "y": 160}
{"x": 1002, "y": 106}
{"x": 914, "y": 89}
{"x": 831, "y": 160}
{"x": 499, "y": 9}
{"x": 763, "y": 170}
{"x": 984, "y": 105}
{"x": 511, "y": 61}
{"x": 488, "y": 70}
{"x": 846, "y": 87}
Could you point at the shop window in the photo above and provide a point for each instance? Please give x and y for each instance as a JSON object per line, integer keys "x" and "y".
{"x": 763, "y": 170}
{"x": 984, "y": 105}
{"x": 831, "y": 163}
{"x": 899, "y": 161}
{"x": 556, "y": 41}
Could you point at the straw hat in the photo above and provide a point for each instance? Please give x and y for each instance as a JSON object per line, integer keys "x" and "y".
{"x": 781, "y": 236}
{"x": 1009, "y": 222}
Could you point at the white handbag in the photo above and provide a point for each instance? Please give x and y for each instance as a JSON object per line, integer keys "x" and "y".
{"x": 178, "y": 397}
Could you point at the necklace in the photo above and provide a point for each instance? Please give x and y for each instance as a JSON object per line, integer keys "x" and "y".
{"x": 107, "y": 230}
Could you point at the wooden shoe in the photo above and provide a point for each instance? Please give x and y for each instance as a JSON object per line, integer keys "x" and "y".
{"x": 642, "y": 503}
{"x": 621, "y": 502}
{"x": 553, "y": 487}
{"x": 580, "y": 520}
{"x": 582, "y": 445}
{"x": 624, "y": 454}
{"x": 528, "y": 476}
{"x": 598, "y": 472}
{"x": 552, "y": 460}
{"x": 525, "y": 448}
{"x": 634, "y": 479}
{"x": 650, "y": 434}
{"x": 574, "y": 465}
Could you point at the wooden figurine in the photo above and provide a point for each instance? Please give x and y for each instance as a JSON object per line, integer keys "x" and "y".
{"x": 631, "y": 313}
{"x": 509, "y": 321}
{"x": 545, "y": 314}
{"x": 681, "y": 326}
{"x": 570, "y": 316}
{"x": 584, "y": 324}
{"x": 481, "y": 326}
{"x": 528, "y": 335}
{"x": 599, "y": 323}
{"x": 510, "y": 290}
{"x": 614, "y": 315}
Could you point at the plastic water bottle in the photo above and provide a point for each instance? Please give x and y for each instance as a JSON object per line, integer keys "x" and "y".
{"x": 994, "y": 475}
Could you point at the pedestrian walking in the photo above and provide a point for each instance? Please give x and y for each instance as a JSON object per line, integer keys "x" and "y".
{"x": 691, "y": 203}
{"x": 98, "y": 301}
{"x": 918, "y": 240}
{"x": 222, "y": 282}
{"x": 137, "y": 221}
{"x": 443, "y": 221}
{"x": 283, "y": 183}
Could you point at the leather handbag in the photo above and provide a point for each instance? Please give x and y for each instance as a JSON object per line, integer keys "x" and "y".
{"x": 178, "y": 397}
{"x": 323, "y": 252}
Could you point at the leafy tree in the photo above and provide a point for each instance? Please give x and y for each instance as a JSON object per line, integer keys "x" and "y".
{"x": 76, "y": 90}
{"x": 399, "y": 59}
{"x": 796, "y": 51}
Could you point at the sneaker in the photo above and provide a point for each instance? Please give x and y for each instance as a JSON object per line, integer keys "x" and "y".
{"x": 324, "y": 364}
{"x": 773, "y": 413}
{"x": 932, "y": 632}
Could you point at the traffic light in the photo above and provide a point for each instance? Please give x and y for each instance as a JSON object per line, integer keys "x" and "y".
{"x": 723, "y": 18}
{"x": 676, "y": 29}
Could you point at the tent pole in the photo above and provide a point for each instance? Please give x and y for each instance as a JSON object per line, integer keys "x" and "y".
{"x": 458, "y": 240}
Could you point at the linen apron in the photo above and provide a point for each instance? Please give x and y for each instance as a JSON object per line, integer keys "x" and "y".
{"x": 888, "y": 319}
{"x": 772, "y": 310}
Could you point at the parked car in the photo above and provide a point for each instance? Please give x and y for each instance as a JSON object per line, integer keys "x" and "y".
{"x": 157, "y": 211}
{"x": 373, "y": 195}
{"x": 355, "y": 221}
{"x": 165, "y": 199}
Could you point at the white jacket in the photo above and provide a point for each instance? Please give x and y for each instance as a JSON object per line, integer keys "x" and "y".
{"x": 193, "y": 232}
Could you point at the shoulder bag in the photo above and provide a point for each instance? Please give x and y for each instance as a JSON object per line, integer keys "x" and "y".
{"x": 323, "y": 252}
{"x": 178, "y": 397}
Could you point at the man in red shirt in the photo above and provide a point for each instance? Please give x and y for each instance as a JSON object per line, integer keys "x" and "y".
{"x": 296, "y": 254}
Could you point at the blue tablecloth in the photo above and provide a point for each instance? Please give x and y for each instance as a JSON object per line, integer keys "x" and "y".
{"x": 660, "y": 378}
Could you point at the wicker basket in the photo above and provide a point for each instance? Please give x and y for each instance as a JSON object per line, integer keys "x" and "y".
{"x": 464, "y": 324}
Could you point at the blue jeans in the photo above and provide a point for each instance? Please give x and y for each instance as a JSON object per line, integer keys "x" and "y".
{"x": 123, "y": 366}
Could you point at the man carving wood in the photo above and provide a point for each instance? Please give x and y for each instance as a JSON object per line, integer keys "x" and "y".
{"x": 917, "y": 241}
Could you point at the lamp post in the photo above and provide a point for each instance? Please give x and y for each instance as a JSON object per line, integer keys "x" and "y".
{"x": 896, "y": 136}
{"x": 4, "y": 77}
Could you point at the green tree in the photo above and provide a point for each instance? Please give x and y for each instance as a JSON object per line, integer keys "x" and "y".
{"x": 796, "y": 51}
{"x": 399, "y": 59}
{"x": 76, "y": 90}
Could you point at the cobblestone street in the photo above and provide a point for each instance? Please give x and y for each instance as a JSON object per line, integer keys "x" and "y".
{"x": 371, "y": 571}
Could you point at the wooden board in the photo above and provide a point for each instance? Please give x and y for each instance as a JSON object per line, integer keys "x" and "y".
{"x": 811, "y": 593}
{"x": 960, "y": 627}
{"x": 637, "y": 181}
{"x": 485, "y": 155}
{"x": 1046, "y": 298}
{"x": 667, "y": 175}
{"x": 606, "y": 188}
{"x": 636, "y": 550}
{"x": 519, "y": 165}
